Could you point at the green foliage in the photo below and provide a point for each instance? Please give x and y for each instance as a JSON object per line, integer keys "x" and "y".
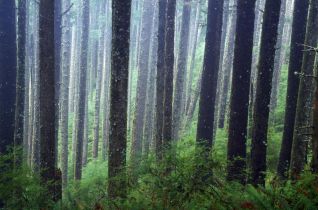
{"x": 19, "y": 187}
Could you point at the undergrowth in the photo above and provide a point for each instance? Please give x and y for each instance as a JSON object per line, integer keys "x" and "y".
{"x": 193, "y": 182}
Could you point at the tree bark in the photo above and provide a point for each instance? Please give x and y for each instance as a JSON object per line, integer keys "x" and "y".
{"x": 82, "y": 91}
{"x": 181, "y": 69}
{"x": 68, "y": 41}
{"x": 49, "y": 172}
{"x": 118, "y": 104}
{"x": 295, "y": 64}
{"x": 205, "y": 128}
{"x": 160, "y": 77}
{"x": 243, "y": 49}
{"x": 169, "y": 66}
{"x": 138, "y": 125}
{"x": 303, "y": 120}
{"x": 8, "y": 73}
{"x": 263, "y": 90}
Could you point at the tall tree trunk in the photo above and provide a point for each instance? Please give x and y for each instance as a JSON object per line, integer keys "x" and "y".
{"x": 150, "y": 105}
{"x": 82, "y": 91}
{"x": 118, "y": 104}
{"x": 145, "y": 36}
{"x": 227, "y": 66}
{"x": 205, "y": 128}
{"x": 99, "y": 69}
{"x": 68, "y": 41}
{"x": 169, "y": 66}
{"x": 160, "y": 77}
{"x": 8, "y": 73}
{"x": 295, "y": 64}
{"x": 20, "y": 82}
{"x": 243, "y": 49}
{"x": 278, "y": 56}
{"x": 263, "y": 90}
{"x": 195, "y": 38}
{"x": 303, "y": 120}
{"x": 49, "y": 173}
{"x": 314, "y": 161}
{"x": 181, "y": 69}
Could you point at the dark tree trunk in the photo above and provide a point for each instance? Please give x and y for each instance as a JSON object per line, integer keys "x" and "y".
{"x": 243, "y": 49}
{"x": 118, "y": 96}
{"x": 206, "y": 116}
{"x": 303, "y": 120}
{"x": 263, "y": 90}
{"x": 295, "y": 64}
{"x": 49, "y": 172}
{"x": 314, "y": 161}
{"x": 20, "y": 84}
{"x": 145, "y": 36}
{"x": 181, "y": 69}
{"x": 160, "y": 77}
{"x": 169, "y": 66}
{"x": 8, "y": 73}
{"x": 82, "y": 91}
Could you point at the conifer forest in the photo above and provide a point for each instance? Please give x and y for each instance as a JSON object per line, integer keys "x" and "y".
{"x": 158, "y": 104}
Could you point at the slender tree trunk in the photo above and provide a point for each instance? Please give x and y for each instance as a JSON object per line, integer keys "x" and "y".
{"x": 82, "y": 91}
{"x": 314, "y": 161}
{"x": 145, "y": 36}
{"x": 227, "y": 66}
{"x": 169, "y": 66}
{"x": 303, "y": 120}
{"x": 119, "y": 94}
{"x": 20, "y": 81}
{"x": 263, "y": 90}
{"x": 68, "y": 41}
{"x": 150, "y": 105}
{"x": 278, "y": 56}
{"x": 295, "y": 64}
{"x": 195, "y": 38}
{"x": 181, "y": 69}
{"x": 212, "y": 52}
{"x": 243, "y": 49}
{"x": 160, "y": 77}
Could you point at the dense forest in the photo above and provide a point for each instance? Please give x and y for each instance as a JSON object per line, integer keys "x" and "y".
{"x": 158, "y": 104}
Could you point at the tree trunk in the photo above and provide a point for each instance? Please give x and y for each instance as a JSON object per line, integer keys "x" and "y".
{"x": 278, "y": 56}
{"x": 8, "y": 73}
{"x": 145, "y": 36}
{"x": 263, "y": 91}
{"x": 303, "y": 120}
{"x": 20, "y": 81}
{"x": 169, "y": 66}
{"x": 314, "y": 161}
{"x": 212, "y": 52}
{"x": 82, "y": 91}
{"x": 150, "y": 105}
{"x": 295, "y": 64}
{"x": 118, "y": 104}
{"x": 243, "y": 49}
{"x": 49, "y": 172}
{"x": 68, "y": 41}
{"x": 181, "y": 69}
{"x": 227, "y": 66}
{"x": 160, "y": 77}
